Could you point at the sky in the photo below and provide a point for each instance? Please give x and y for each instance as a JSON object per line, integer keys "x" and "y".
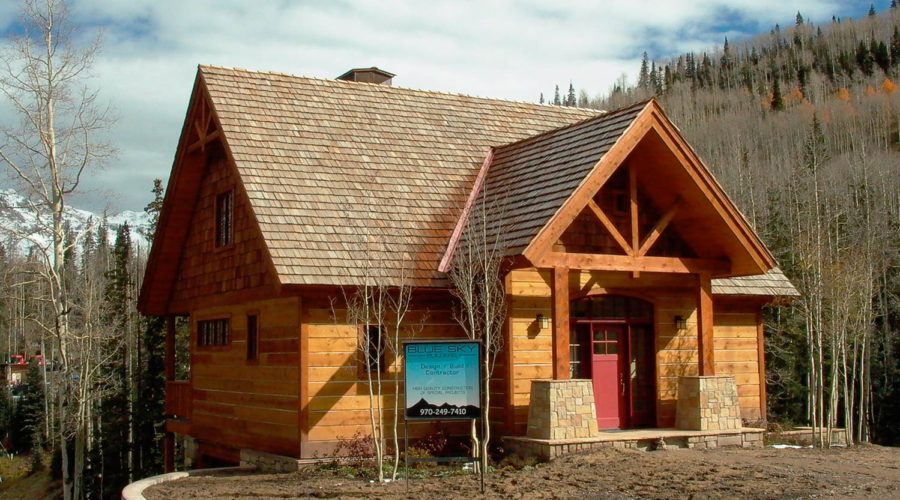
{"x": 494, "y": 48}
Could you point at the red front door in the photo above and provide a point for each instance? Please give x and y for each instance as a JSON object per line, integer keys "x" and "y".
{"x": 607, "y": 343}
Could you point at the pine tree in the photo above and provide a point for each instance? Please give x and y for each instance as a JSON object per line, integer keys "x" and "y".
{"x": 556, "y": 99}
{"x": 881, "y": 55}
{"x": 6, "y": 410}
{"x": 893, "y": 4}
{"x": 777, "y": 98}
{"x": 895, "y": 47}
{"x": 541, "y": 101}
{"x": 644, "y": 75}
{"x": 149, "y": 412}
{"x": 570, "y": 98}
{"x": 799, "y": 21}
{"x": 26, "y": 426}
{"x": 115, "y": 419}
{"x": 872, "y": 10}
{"x": 864, "y": 59}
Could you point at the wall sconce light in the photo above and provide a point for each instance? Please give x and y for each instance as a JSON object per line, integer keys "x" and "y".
{"x": 542, "y": 321}
{"x": 680, "y": 323}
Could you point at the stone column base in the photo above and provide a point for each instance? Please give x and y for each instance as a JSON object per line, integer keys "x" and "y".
{"x": 562, "y": 409}
{"x": 708, "y": 403}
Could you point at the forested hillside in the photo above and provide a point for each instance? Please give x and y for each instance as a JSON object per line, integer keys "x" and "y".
{"x": 801, "y": 127}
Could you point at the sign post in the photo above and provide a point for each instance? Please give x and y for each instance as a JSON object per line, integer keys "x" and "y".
{"x": 442, "y": 381}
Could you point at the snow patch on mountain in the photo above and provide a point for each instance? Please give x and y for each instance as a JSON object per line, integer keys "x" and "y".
{"x": 19, "y": 222}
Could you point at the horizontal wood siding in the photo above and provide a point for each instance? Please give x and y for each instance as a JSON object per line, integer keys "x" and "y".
{"x": 532, "y": 356}
{"x": 249, "y": 404}
{"x": 736, "y": 343}
{"x": 338, "y": 388}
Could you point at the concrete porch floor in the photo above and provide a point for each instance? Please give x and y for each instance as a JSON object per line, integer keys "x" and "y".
{"x": 645, "y": 439}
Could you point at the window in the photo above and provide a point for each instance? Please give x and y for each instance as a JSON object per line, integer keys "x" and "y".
{"x": 212, "y": 333}
{"x": 373, "y": 357}
{"x": 225, "y": 219}
{"x": 252, "y": 338}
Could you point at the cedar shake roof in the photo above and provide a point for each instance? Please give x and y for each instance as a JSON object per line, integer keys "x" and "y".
{"x": 774, "y": 284}
{"x": 324, "y": 162}
{"x": 347, "y": 177}
{"x": 532, "y": 178}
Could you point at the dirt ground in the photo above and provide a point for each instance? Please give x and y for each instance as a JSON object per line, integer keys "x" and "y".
{"x": 860, "y": 472}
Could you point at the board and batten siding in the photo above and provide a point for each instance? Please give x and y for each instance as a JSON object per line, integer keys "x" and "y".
{"x": 338, "y": 390}
{"x": 244, "y": 403}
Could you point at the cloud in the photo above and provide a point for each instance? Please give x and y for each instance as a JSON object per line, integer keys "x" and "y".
{"x": 496, "y": 48}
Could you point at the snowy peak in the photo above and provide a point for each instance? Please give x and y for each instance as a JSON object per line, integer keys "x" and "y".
{"x": 18, "y": 221}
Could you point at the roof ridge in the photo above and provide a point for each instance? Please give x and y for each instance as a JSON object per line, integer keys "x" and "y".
{"x": 564, "y": 109}
{"x": 602, "y": 116}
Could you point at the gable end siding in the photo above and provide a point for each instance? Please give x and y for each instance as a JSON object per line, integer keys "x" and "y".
{"x": 206, "y": 271}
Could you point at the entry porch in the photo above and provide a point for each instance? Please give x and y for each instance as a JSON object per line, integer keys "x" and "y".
{"x": 642, "y": 439}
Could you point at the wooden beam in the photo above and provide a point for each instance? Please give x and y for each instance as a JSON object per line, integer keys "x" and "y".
{"x": 705, "y": 326}
{"x": 601, "y": 172}
{"x": 761, "y": 365}
{"x": 169, "y": 452}
{"x": 633, "y": 201}
{"x": 657, "y": 230}
{"x": 606, "y": 262}
{"x": 610, "y": 227}
{"x": 170, "y": 348}
{"x": 200, "y": 144}
{"x": 712, "y": 190}
{"x": 560, "y": 292}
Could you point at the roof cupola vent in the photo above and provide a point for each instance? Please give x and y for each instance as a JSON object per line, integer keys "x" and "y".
{"x": 367, "y": 75}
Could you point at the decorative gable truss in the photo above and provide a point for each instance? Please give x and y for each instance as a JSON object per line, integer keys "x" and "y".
{"x": 650, "y": 205}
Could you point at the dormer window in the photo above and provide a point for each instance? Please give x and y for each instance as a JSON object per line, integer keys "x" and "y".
{"x": 225, "y": 219}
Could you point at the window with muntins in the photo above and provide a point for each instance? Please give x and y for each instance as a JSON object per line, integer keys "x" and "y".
{"x": 213, "y": 333}
{"x": 225, "y": 219}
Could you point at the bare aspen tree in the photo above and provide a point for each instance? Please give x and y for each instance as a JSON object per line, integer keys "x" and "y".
{"x": 477, "y": 282}
{"x": 56, "y": 142}
{"x": 380, "y": 306}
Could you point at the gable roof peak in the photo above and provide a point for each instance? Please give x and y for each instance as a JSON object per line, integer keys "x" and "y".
{"x": 210, "y": 69}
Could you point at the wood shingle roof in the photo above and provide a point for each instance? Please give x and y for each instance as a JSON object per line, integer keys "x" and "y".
{"x": 347, "y": 177}
{"x": 334, "y": 168}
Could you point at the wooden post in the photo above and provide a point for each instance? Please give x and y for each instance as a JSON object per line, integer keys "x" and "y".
{"x": 705, "y": 326}
{"x": 560, "y": 293}
{"x": 170, "y": 348}
{"x": 169, "y": 452}
{"x": 169, "y": 437}
{"x": 633, "y": 205}
{"x": 761, "y": 366}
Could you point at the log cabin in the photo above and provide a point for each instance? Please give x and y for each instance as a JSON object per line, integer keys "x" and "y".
{"x": 629, "y": 265}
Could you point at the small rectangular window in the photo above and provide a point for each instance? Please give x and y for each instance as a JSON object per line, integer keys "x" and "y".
{"x": 252, "y": 338}
{"x": 225, "y": 219}
{"x": 373, "y": 358}
{"x": 213, "y": 333}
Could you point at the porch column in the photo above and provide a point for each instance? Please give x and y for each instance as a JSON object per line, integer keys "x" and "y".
{"x": 169, "y": 437}
{"x": 705, "y": 326}
{"x": 560, "y": 292}
{"x": 170, "y": 348}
